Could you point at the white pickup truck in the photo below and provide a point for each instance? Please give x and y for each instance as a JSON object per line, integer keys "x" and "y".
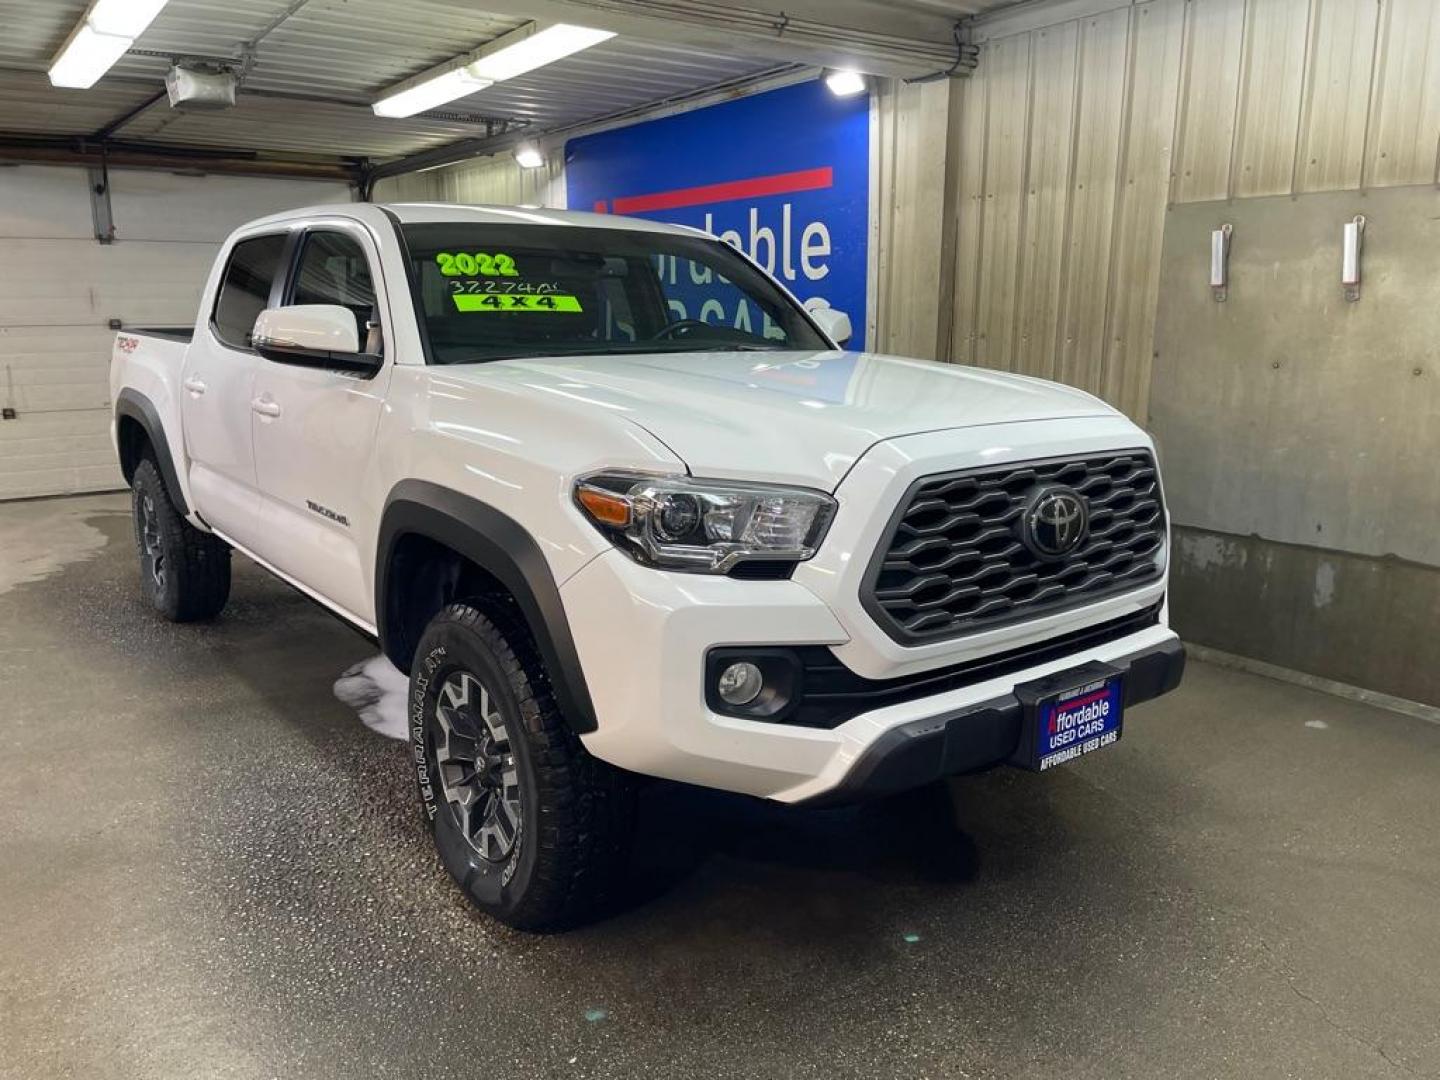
{"x": 620, "y": 505}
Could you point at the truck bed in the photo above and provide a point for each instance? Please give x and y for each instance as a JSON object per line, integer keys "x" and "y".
{"x": 182, "y": 334}
{"x": 146, "y": 365}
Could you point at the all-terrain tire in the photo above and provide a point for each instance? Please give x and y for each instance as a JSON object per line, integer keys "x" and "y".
{"x": 184, "y": 573}
{"x": 570, "y": 846}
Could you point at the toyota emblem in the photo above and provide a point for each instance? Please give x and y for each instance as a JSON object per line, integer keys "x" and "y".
{"x": 1055, "y": 522}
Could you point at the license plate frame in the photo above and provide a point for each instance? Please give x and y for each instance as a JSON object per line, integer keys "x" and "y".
{"x": 1069, "y": 715}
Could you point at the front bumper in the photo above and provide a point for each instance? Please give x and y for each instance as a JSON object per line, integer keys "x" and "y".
{"x": 979, "y": 736}
{"x": 642, "y": 636}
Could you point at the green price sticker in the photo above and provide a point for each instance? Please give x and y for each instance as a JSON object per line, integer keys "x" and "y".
{"x": 468, "y": 264}
{"x": 516, "y": 302}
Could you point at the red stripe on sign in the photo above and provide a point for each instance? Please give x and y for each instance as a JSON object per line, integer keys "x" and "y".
{"x": 1086, "y": 700}
{"x": 754, "y": 188}
{"x": 601, "y": 207}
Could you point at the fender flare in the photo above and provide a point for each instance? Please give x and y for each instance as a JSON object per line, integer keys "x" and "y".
{"x": 503, "y": 548}
{"x": 136, "y": 406}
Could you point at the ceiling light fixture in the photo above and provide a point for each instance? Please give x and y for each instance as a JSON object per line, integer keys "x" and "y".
{"x": 845, "y": 83}
{"x": 528, "y": 156}
{"x": 507, "y": 56}
{"x": 102, "y": 37}
{"x": 127, "y": 18}
{"x": 538, "y": 49}
{"x": 433, "y": 92}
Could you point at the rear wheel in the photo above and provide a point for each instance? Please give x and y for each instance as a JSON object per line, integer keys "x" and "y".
{"x": 534, "y": 829}
{"x": 184, "y": 573}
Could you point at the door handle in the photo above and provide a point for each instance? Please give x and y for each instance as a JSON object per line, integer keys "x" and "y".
{"x": 265, "y": 407}
{"x": 194, "y": 385}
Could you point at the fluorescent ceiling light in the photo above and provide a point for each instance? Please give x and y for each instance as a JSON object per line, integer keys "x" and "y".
{"x": 109, "y": 28}
{"x": 430, "y": 93}
{"x": 86, "y": 56}
{"x": 545, "y": 47}
{"x": 124, "y": 18}
{"x": 845, "y": 83}
{"x": 528, "y": 156}
{"x": 509, "y": 55}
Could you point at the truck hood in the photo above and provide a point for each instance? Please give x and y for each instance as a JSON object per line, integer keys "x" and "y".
{"x": 793, "y": 417}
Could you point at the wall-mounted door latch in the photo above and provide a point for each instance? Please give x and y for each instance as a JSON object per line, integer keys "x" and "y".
{"x": 1220, "y": 262}
{"x": 100, "y": 210}
{"x": 1354, "y": 241}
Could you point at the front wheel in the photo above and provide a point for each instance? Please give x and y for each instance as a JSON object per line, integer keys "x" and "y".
{"x": 184, "y": 573}
{"x": 534, "y": 830}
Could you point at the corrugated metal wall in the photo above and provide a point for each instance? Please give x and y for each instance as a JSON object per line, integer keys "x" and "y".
{"x": 915, "y": 170}
{"x": 1091, "y": 132}
{"x": 1086, "y": 119}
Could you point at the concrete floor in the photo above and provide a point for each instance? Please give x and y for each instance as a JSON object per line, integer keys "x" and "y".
{"x": 209, "y": 868}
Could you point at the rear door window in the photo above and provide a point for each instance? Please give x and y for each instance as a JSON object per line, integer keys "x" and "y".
{"x": 245, "y": 288}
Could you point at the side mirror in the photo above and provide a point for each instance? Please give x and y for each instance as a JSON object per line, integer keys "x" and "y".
{"x": 836, "y": 324}
{"x": 312, "y": 335}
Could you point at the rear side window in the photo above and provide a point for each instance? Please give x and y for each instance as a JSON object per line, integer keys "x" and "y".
{"x": 245, "y": 289}
{"x": 333, "y": 270}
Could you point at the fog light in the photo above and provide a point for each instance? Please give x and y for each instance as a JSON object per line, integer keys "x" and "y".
{"x": 740, "y": 683}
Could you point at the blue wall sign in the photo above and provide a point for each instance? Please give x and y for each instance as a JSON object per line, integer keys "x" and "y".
{"x": 783, "y": 175}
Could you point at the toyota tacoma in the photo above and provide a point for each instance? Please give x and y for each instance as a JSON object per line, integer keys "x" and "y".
{"x": 621, "y": 506}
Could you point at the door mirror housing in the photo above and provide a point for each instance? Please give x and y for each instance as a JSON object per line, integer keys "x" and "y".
{"x": 313, "y": 335}
{"x": 835, "y": 324}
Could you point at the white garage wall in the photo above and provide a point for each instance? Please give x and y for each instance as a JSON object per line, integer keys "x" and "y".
{"x": 59, "y": 287}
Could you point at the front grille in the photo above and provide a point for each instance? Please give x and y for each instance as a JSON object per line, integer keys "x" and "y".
{"x": 952, "y": 559}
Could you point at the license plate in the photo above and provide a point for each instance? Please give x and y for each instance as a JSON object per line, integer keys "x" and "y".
{"x": 1070, "y": 715}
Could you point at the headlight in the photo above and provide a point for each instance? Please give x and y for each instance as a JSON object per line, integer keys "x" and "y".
{"x": 705, "y": 526}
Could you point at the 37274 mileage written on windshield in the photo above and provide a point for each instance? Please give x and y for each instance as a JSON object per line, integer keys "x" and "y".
{"x": 490, "y": 285}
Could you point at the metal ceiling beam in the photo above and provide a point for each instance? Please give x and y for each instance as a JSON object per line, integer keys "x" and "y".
{"x": 451, "y": 115}
{"x": 64, "y": 150}
{"x": 954, "y": 9}
{"x": 274, "y": 24}
{"x": 125, "y": 117}
{"x": 876, "y": 38}
{"x": 448, "y": 154}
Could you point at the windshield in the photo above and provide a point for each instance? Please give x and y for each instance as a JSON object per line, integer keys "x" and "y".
{"x": 492, "y": 292}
